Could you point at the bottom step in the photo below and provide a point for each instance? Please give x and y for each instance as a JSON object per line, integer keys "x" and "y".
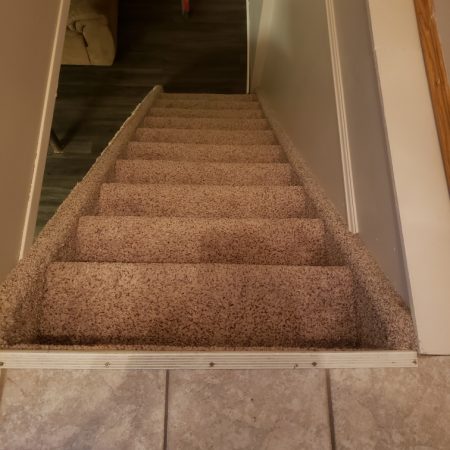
{"x": 198, "y": 305}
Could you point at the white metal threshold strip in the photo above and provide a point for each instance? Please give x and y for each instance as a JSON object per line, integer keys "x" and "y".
{"x": 55, "y": 359}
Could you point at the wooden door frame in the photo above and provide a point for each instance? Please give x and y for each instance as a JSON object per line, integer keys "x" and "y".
{"x": 438, "y": 80}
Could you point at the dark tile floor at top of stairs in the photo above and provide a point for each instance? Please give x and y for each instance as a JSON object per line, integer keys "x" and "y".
{"x": 202, "y": 238}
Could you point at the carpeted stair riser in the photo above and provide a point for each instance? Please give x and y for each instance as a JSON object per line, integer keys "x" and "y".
{"x": 206, "y": 136}
{"x": 204, "y": 237}
{"x": 181, "y": 172}
{"x": 206, "y": 123}
{"x": 207, "y": 113}
{"x": 205, "y": 104}
{"x": 209, "y": 97}
{"x": 198, "y": 305}
{"x": 205, "y": 152}
{"x": 202, "y": 201}
{"x": 199, "y": 240}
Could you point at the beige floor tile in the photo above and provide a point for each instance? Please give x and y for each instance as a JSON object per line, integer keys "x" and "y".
{"x": 251, "y": 410}
{"x": 393, "y": 408}
{"x": 82, "y": 410}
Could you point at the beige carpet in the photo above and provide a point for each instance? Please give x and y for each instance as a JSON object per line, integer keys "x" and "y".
{"x": 200, "y": 234}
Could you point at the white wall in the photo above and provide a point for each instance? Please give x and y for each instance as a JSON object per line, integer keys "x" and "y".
{"x": 254, "y": 15}
{"x": 372, "y": 174}
{"x": 442, "y": 15}
{"x": 29, "y": 61}
{"x": 418, "y": 171}
{"x": 297, "y": 80}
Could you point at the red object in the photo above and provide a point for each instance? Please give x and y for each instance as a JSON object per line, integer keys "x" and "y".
{"x": 185, "y": 6}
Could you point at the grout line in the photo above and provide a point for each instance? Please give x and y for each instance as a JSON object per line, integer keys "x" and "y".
{"x": 2, "y": 383}
{"x": 166, "y": 410}
{"x": 330, "y": 411}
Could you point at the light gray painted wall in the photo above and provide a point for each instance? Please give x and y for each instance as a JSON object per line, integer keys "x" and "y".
{"x": 442, "y": 10}
{"x": 27, "y": 35}
{"x": 254, "y": 16}
{"x": 418, "y": 172}
{"x": 375, "y": 198}
{"x": 297, "y": 81}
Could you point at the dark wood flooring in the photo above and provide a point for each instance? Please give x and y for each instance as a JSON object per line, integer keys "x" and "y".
{"x": 204, "y": 53}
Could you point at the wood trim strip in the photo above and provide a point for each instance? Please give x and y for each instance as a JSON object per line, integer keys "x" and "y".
{"x": 437, "y": 76}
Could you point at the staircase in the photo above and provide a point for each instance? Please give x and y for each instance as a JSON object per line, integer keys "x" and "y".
{"x": 201, "y": 236}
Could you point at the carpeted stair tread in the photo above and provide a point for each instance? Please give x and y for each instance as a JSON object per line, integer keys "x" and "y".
{"x": 206, "y": 104}
{"x": 199, "y": 240}
{"x": 205, "y": 136}
{"x": 206, "y": 123}
{"x": 195, "y": 231}
{"x": 198, "y": 305}
{"x": 187, "y": 172}
{"x": 205, "y": 152}
{"x": 161, "y": 200}
{"x": 207, "y": 113}
{"x": 209, "y": 97}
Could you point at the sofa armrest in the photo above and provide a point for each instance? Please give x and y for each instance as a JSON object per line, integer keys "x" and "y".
{"x": 100, "y": 45}
{"x": 95, "y": 24}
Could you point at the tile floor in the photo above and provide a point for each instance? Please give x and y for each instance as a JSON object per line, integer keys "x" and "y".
{"x": 262, "y": 410}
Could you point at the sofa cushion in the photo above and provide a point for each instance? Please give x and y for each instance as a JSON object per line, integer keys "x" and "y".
{"x": 94, "y": 23}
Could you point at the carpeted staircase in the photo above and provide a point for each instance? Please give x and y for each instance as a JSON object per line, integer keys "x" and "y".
{"x": 201, "y": 235}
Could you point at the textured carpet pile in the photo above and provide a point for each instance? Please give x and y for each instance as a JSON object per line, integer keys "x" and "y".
{"x": 199, "y": 234}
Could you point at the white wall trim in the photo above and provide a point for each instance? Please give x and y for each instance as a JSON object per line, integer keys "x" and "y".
{"x": 262, "y": 43}
{"x": 350, "y": 197}
{"x": 247, "y": 6}
{"x": 44, "y": 129}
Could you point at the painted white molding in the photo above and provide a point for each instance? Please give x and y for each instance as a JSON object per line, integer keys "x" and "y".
{"x": 44, "y": 129}
{"x": 262, "y": 43}
{"x": 418, "y": 173}
{"x": 347, "y": 170}
{"x": 111, "y": 360}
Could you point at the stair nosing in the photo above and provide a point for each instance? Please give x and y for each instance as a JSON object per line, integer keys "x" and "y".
{"x": 217, "y": 130}
{"x": 151, "y": 161}
{"x": 143, "y": 143}
{"x": 207, "y": 186}
{"x": 297, "y": 266}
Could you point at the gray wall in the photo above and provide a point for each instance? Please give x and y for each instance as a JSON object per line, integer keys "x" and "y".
{"x": 254, "y": 16}
{"x": 375, "y": 198}
{"x": 27, "y": 35}
{"x": 297, "y": 81}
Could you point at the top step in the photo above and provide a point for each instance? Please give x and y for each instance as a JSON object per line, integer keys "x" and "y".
{"x": 208, "y": 113}
{"x": 206, "y": 104}
{"x": 210, "y": 97}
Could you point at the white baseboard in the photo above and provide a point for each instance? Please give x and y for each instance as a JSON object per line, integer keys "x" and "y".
{"x": 262, "y": 43}
{"x": 247, "y": 11}
{"x": 350, "y": 197}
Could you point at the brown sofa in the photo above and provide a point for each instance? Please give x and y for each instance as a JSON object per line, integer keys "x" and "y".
{"x": 91, "y": 34}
